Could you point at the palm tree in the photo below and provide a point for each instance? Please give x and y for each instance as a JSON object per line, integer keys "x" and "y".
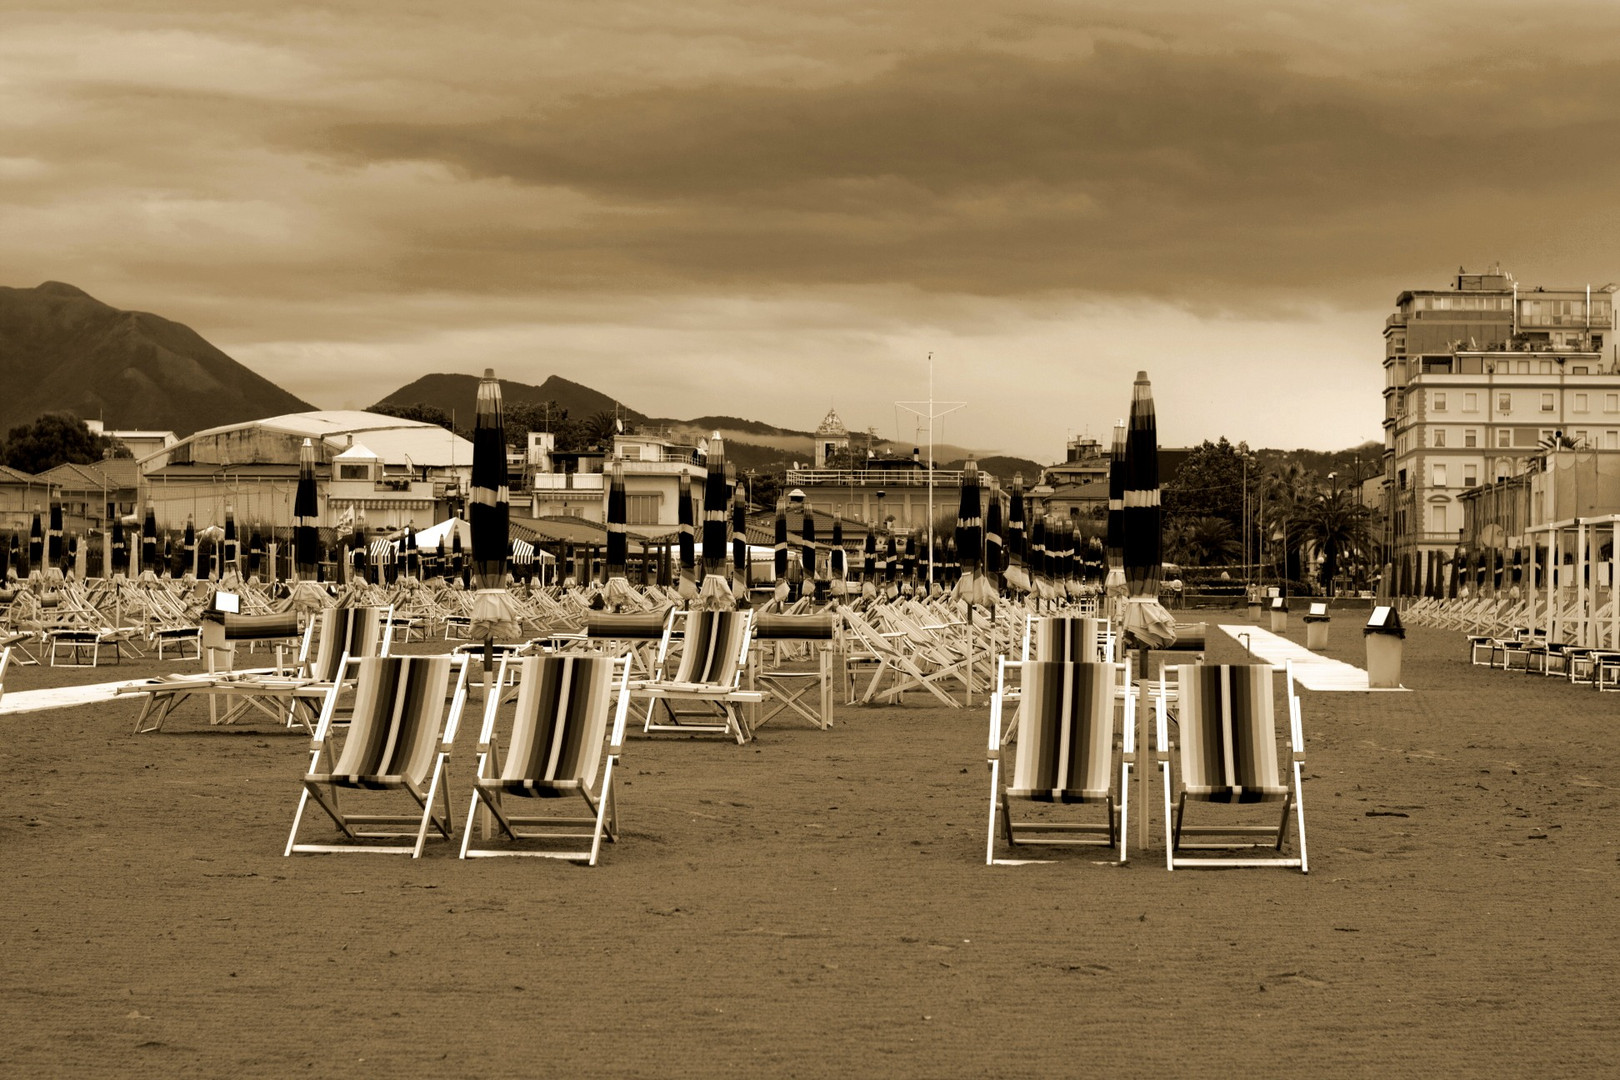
{"x": 1284, "y": 491}
{"x": 601, "y": 427}
{"x": 1202, "y": 541}
{"x": 1338, "y": 526}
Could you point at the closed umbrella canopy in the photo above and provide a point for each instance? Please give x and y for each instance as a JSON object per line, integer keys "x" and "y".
{"x": 188, "y": 546}
{"x": 232, "y": 552}
{"x": 617, "y": 595}
{"x": 1115, "y": 544}
{"x": 54, "y": 537}
{"x": 306, "y": 516}
{"x": 120, "y": 552}
{"x": 993, "y": 551}
{"x": 36, "y": 543}
{"x": 489, "y": 499}
{"x": 494, "y": 612}
{"x": 739, "y": 538}
{"x": 780, "y": 541}
{"x": 686, "y": 587}
{"x": 1141, "y": 523}
{"x": 149, "y": 550}
{"x": 716, "y": 590}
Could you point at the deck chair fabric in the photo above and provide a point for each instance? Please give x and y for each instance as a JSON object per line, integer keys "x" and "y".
{"x": 1055, "y": 637}
{"x": 713, "y": 654}
{"x": 554, "y": 749}
{"x": 1064, "y": 753}
{"x": 1227, "y": 754}
{"x": 347, "y": 632}
{"x": 398, "y": 740}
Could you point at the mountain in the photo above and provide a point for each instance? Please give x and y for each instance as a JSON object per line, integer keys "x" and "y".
{"x": 458, "y": 394}
{"x": 62, "y": 350}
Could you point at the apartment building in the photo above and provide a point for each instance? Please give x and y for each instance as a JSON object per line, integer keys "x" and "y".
{"x": 1479, "y": 379}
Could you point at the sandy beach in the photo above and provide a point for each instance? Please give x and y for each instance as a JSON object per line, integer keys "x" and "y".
{"x": 816, "y": 904}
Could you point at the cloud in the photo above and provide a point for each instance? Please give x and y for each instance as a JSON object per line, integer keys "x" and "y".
{"x": 1130, "y": 171}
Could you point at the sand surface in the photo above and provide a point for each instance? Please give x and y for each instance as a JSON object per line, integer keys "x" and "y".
{"x": 817, "y": 904}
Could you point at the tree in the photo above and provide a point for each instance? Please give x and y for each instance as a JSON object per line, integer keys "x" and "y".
{"x": 1210, "y": 483}
{"x": 51, "y": 440}
{"x": 1202, "y": 541}
{"x": 1339, "y": 526}
{"x": 427, "y": 414}
{"x": 1284, "y": 491}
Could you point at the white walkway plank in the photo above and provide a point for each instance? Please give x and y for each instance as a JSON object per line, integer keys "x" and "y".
{"x": 1314, "y": 671}
{"x": 60, "y": 697}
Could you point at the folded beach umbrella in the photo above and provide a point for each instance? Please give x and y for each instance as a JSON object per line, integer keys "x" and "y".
{"x": 686, "y": 518}
{"x": 232, "y": 553}
{"x": 739, "y": 540}
{"x": 1017, "y": 570}
{"x": 1141, "y": 524}
{"x": 149, "y": 548}
{"x": 494, "y": 612}
{"x": 7, "y": 557}
{"x": 119, "y": 554}
{"x": 255, "y": 553}
{"x": 807, "y": 548}
{"x": 306, "y": 516}
{"x": 458, "y": 558}
{"x": 869, "y": 564}
{"x": 1037, "y": 558}
{"x": 53, "y": 539}
{"x": 188, "y": 546}
{"x": 617, "y": 594}
{"x": 1114, "y": 546}
{"x": 890, "y": 567}
{"x": 36, "y": 543}
{"x": 715, "y": 592}
{"x": 837, "y": 565}
{"x": 779, "y": 549}
{"x": 408, "y": 551}
{"x": 993, "y": 551}
{"x": 908, "y": 560}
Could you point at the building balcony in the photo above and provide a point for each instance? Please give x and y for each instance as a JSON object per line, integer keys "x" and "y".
{"x": 873, "y": 478}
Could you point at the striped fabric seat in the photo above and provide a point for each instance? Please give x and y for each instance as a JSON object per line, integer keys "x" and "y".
{"x": 352, "y": 632}
{"x": 774, "y": 627}
{"x": 712, "y": 646}
{"x": 1056, "y": 637}
{"x": 1228, "y": 734}
{"x": 397, "y": 745}
{"x": 234, "y": 627}
{"x": 625, "y": 626}
{"x": 562, "y": 713}
{"x": 1065, "y": 744}
{"x": 399, "y": 708}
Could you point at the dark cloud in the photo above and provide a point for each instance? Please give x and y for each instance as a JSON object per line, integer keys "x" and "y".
{"x": 1132, "y": 170}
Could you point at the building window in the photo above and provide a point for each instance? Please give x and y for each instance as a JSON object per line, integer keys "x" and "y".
{"x": 1437, "y": 518}
{"x": 1439, "y": 436}
{"x": 1611, "y": 402}
{"x": 1471, "y": 437}
{"x": 1439, "y": 402}
{"x": 1580, "y": 402}
{"x": 1546, "y": 367}
{"x": 1546, "y": 403}
{"x": 1440, "y": 475}
{"x": 1611, "y": 440}
{"x": 1504, "y": 403}
{"x": 1470, "y": 475}
{"x": 641, "y": 509}
{"x": 1504, "y": 437}
{"x": 354, "y": 472}
{"x": 1470, "y": 403}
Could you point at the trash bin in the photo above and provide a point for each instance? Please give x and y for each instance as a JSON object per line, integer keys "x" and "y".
{"x": 1316, "y": 627}
{"x": 1279, "y": 614}
{"x": 1385, "y": 644}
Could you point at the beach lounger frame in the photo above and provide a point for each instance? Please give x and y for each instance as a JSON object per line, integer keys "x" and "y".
{"x": 565, "y": 708}
{"x": 706, "y": 672}
{"x": 1064, "y": 754}
{"x": 1226, "y": 753}
{"x": 398, "y": 740}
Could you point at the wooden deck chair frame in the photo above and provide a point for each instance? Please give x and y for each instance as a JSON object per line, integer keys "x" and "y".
{"x": 1226, "y": 752}
{"x": 264, "y": 690}
{"x": 396, "y": 698}
{"x": 1045, "y": 757}
{"x": 708, "y": 674}
{"x": 789, "y": 689}
{"x": 566, "y": 707}
{"x": 877, "y": 651}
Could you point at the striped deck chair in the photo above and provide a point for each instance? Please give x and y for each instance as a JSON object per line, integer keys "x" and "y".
{"x": 1228, "y": 755}
{"x": 713, "y": 656}
{"x": 1064, "y": 754}
{"x": 553, "y": 751}
{"x": 398, "y": 741}
{"x": 790, "y": 687}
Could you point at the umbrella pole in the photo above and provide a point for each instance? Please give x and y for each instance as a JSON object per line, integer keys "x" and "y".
{"x": 1143, "y": 757}
{"x": 486, "y": 826}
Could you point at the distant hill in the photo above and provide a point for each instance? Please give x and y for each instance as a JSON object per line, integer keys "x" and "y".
{"x": 458, "y": 394}
{"x": 62, "y": 350}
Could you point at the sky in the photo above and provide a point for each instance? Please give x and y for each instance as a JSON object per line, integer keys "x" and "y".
{"x": 765, "y": 210}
